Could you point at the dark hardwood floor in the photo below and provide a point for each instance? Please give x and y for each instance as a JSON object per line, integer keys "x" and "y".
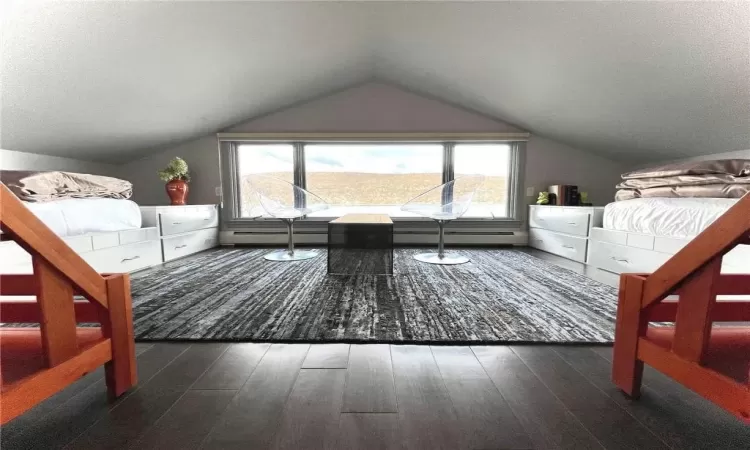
{"x": 375, "y": 396}
{"x": 299, "y": 396}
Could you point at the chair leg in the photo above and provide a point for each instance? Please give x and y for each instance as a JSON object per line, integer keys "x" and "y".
{"x": 627, "y": 369}
{"x": 290, "y": 230}
{"x": 441, "y": 239}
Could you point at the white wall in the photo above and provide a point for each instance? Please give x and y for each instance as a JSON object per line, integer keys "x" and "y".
{"x": 741, "y": 154}
{"x": 549, "y": 162}
{"x": 377, "y": 107}
{"x": 13, "y": 160}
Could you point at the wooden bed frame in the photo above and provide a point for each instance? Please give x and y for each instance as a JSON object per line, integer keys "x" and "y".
{"x": 36, "y": 363}
{"x": 712, "y": 361}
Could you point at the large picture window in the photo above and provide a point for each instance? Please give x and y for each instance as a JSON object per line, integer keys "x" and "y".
{"x": 371, "y": 177}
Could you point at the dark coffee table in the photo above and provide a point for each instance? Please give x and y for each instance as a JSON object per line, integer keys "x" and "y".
{"x": 359, "y": 244}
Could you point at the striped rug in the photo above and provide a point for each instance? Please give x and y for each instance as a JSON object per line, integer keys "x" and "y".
{"x": 502, "y": 295}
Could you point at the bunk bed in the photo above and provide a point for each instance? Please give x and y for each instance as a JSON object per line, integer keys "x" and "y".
{"x": 713, "y": 361}
{"x": 36, "y": 363}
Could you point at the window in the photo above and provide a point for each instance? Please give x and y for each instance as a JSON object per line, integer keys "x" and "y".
{"x": 371, "y": 177}
{"x": 492, "y": 161}
{"x": 272, "y": 160}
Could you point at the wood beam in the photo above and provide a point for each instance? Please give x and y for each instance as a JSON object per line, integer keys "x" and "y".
{"x": 57, "y": 315}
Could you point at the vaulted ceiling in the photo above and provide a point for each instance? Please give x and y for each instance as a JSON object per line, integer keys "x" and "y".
{"x": 636, "y": 81}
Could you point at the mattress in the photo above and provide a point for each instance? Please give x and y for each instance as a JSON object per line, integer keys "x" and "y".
{"x": 670, "y": 217}
{"x": 74, "y": 216}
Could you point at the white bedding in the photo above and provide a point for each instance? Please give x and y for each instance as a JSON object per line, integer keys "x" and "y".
{"x": 74, "y": 216}
{"x": 671, "y": 217}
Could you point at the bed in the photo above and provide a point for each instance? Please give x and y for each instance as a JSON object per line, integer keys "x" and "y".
{"x": 77, "y": 216}
{"x": 681, "y": 218}
{"x": 639, "y": 234}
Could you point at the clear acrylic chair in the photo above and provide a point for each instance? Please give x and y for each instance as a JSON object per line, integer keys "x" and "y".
{"x": 287, "y": 202}
{"x": 444, "y": 203}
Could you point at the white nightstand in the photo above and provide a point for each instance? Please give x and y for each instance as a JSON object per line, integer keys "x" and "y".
{"x": 183, "y": 230}
{"x": 563, "y": 230}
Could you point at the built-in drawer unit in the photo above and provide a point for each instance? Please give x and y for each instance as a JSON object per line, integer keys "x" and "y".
{"x": 185, "y": 244}
{"x": 563, "y": 230}
{"x": 556, "y": 219}
{"x": 622, "y": 259}
{"x": 568, "y": 246}
{"x": 96, "y": 248}
{"x": 125, "y": 258}
{"x": 183, "y": 229}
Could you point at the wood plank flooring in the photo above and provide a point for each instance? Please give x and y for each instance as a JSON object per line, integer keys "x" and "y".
{"x": 376, "y": 396}
{"x": 262, "y": 396}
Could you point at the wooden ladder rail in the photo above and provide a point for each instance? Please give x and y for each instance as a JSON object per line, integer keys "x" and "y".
{"x": 694, "y": 273}
{"x": 59, "y": 273}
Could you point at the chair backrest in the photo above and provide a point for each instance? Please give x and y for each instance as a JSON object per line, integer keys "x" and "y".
{"x": 284, "y": 200}
{"x": 447, "y": 201}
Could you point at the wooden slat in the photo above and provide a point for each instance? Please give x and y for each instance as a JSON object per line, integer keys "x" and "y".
{"x": 732, "y": 284}
{"x": 117, "y": 324}
{"x": 57, "y": 315}
{"x": 31, "y": 390}
{"x": 27, "y": 311}
{"x": 718, "y": 238}
{"x": 693, "y": 320}
{"x": 723, "y": 311}
{"x": 37, "y": 239}
{"x": 719, "y": 389}
{"x": 631, "y": 324}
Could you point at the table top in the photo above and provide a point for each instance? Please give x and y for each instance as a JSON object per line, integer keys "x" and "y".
{"x": 365, "y": 219}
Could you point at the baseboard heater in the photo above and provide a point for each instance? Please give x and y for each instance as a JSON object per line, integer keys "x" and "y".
{"x": 400, "y": 237}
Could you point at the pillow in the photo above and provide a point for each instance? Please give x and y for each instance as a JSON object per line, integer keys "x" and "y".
{"x": 735, "y": 167}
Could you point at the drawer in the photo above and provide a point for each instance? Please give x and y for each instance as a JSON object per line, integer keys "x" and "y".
{"x": 640, "y": 241}
{"x": 185, "y": 244}
{"x": 125, "y": 258}
{"x": 105, "y": 240}
{"x": 611, "y": 236}
{"x": 12, "y": 256}
{"x": 139, "y": 235}
{"x": 669, "y": 245}
{"x": 185, "y": 220}
{"x": 570, "y": 222}
{"x": 620, "y": 259}
{"x": 567, "y": 246}
{"x": 80, "y": 244}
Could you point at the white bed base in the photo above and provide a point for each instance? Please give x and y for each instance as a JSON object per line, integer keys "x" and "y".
{"x": 111, "y": 252}
{"x": 621, "y": 252}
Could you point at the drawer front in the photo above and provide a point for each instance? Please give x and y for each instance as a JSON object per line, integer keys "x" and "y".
{"x": 640, "y": 241}
{"x": 80, "y": 244}
{"x": 125, "y": 258}
{"x": 620, "y": 259}
{"x": 570, "y": 222}
{"x": 611, "y": 236}
{"x": 186, "y": 244}
{"x": 185, "y": 220}
{"x": 13, "y": 258}
{"x": 560, "y": 244}
{"x": 139, "y": 235}
{"x": 105, "y": 240}
{"x": 669, "y": 245}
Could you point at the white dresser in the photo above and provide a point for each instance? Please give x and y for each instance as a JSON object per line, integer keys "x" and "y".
{"x": 183, "y": 230}
{"x": 563, "y": 230}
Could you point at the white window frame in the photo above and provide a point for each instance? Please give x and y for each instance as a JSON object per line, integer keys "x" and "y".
{"x": 228, "y": 157}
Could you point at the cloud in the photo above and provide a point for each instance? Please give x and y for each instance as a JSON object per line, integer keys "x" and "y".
{"x": 326, "y": 161}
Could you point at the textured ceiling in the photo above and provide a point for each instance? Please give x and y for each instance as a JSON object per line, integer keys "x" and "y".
{"x": 632, "y": 81}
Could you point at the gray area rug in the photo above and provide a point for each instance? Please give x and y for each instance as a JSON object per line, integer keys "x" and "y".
{"x": 500, "y": 296}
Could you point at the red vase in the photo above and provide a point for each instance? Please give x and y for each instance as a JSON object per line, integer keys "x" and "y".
{"x": 177, "y": 191}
